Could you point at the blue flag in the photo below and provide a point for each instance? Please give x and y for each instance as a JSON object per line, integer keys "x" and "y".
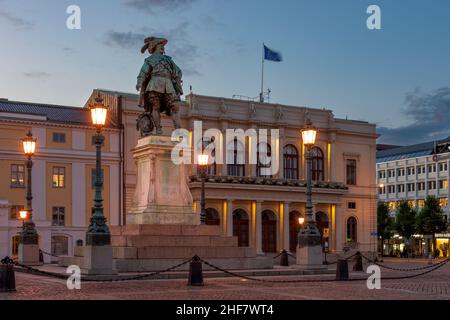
{"x": 271, "y": 55}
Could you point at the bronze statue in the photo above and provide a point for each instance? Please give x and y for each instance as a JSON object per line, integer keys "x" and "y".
{"x": 160, "y": 86}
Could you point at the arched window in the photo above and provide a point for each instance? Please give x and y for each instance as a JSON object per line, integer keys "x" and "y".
{"x": 211, "y": 169}
{"x": 235, "y": 159}
{"x": 212, "y": 217}
{"x": 352, "y": 229}
{"x": 263, "y": 164}
{"x": 290, "y": 162}
{"x": 317, "y": 164}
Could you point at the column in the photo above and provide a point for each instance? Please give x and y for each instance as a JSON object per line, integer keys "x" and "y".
{"x": 229, "y": 218}
{"x": 258, "y": 236}
{"x": 252, "y": 222}
{"x": 331, "y": 155}
{"x": 339, "y": 228}
{"x": 286, "y": 244}
{"x": 331, "y": 216}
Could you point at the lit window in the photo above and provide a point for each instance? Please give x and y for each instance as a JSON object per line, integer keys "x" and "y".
{"x": 420, "y": 203}
{"x": 351, "y": 205}
{"x": 391, "y": 205}
{"x": 411, "y": 203}
{"x": 14, "y": 211}
{"x": 58, "y": 177}
{"x": 443, "y": 184}
{"x": 17, "y": 176}
{"x": 443, "y": 202}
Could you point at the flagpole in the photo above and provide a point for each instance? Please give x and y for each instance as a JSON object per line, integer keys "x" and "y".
{"x": 261, "y": 97}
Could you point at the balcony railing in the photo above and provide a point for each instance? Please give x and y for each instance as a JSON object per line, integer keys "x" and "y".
{"x": 269, "y": 181}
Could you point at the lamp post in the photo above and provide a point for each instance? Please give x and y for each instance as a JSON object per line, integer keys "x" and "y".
{"x": 309, "y": 251}
{"x": 29, "y": 238}
{"x": 97, "y": 255}
{"x": 203, "y": 163}
{"x": 98, "y": 231}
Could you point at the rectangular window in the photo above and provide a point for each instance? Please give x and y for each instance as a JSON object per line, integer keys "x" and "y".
{"x": 400, "y": 188}
{"x": 420, "y": 203}
{"x": 420, "y": 186}
{"x": 93, "y": 177}
{"x": 14, "y": 211}
{"x": 412, "y": 203}
{"x": 391, "y": 189}
{"x": 58, "y": 177}
{"x": 431, "y": 168}
{"x": 431, "y": 185}
{"x": 351, "y": 171}
{"x": 392, "y": 205}
{"x": 17, "y": 176}
{"x": 443, "y": 166}
{"x": 381, "y": 174}
{"x": 351, "y": 205}
{"x": 58, "y": 216}
{"x": 420, "y": 169}
{"x": 443, "y": 184}
{"x": 411, "y": 187}
{"x": 400, "y": 172}
{"x": 443, "y": 202}
{"x": 411, "y": 171}
{"x": 59, "y": 137}
{"x": 391, "y": 173}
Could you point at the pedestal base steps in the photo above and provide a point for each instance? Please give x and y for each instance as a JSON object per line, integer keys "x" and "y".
{"x": 138, "y": 248}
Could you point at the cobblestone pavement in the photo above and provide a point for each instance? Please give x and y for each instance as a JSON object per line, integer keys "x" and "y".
{"x": 434, "y": 285}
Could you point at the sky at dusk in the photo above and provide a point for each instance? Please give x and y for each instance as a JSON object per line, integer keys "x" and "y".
{"x": 397, "y": 77}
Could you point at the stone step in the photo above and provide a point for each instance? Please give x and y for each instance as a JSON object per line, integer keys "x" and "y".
{"x": 165, "y": 230}
{"x": 179, "y": 252}
{"x": 146, "y": 265}
{"x": 150, "y": 241}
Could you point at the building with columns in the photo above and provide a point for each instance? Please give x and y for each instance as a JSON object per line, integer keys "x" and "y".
{"x": 262, "y": 211}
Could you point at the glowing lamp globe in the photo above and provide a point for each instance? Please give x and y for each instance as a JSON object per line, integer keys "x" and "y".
{"x": 202, "y": 159}
{"x": 23, "y": 214}
{"x": 301, "y": 220}
{"x": 98, "y": 112}
{"x": 29, "y": 144}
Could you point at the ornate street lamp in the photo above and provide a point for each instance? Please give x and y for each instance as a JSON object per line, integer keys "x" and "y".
{"x": 98, "y": 231}
{"x": 301, "y": 220}
{"x": 309, "y": 252}
{"x": 203, "y": 163}
{"x": 29, "y": 234}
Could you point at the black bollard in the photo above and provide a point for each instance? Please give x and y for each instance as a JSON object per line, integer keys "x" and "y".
{"x": 342, "y": 270}
{"x": 195, "y": 272}
{"x": 284, "y": 259}
{"x": 7, "y": 276}
{"x": 358, "y": 265}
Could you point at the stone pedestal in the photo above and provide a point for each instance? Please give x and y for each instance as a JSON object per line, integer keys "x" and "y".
{"x": 29, "y": 254}
{"x": 97, "y": 260}
{"x": 309, "y": 250}
{"x": 162, "y": 194}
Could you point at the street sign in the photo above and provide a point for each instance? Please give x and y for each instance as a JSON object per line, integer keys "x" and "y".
{"x": 374, "y": 233}
{"x": 326, "y": 232}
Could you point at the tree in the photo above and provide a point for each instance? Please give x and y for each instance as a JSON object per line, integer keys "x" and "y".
{"x": 405, "y": 221}
{"x": 430, "y": 219}
{"x": 384, "y": 223}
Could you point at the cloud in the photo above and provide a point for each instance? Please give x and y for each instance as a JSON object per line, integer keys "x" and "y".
{"x": 37, "y": 74}
{"x": 154, "y": 6}
{"x": 16, "y": 22}
{"x": 185, "y": 53}
{"x": 430, "y": 115}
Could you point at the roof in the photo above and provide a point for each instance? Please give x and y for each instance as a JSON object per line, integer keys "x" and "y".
{"x": 412, "y": 151}
{"x": 53, "y": 113}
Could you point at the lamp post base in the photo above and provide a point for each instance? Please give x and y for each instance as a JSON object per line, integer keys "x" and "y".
{"x": 29, "y": 254}
{"x": 309, "y": 250}
{"x": 98, "y": 260}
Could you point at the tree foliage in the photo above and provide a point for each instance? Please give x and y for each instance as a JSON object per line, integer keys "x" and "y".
{"x": 384, "y": 221}
{"x": 405, "y": 220}
{"x": 430, "y": 219}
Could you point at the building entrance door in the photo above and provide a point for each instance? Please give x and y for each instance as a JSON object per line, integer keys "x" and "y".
{"x": 240, "y": 227}
{"x": 269, "y": 231}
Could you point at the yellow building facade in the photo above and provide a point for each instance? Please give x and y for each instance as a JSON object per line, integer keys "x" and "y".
{"x": 262, "y": 212}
